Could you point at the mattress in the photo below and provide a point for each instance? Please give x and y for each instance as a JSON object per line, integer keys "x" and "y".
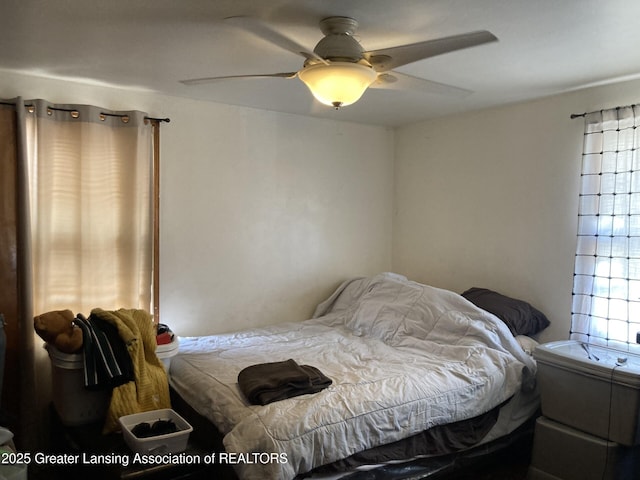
{"x": 403, "y": 358}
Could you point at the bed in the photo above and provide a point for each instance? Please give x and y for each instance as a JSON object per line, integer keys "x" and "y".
{"x": 403, "y": 359}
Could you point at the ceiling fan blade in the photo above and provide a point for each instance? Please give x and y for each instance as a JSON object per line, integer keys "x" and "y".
{"x": 389, "y": 58}
{"x": 265, "y": 31}
{"x": 200, "y": 81}
{"x": 402, "y": 81}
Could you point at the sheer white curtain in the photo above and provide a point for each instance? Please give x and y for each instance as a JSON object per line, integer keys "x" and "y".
{"x": 606, "y": 290}
{"x": 91, "y": 190}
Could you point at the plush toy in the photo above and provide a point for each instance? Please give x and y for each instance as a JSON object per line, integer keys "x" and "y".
{"x": 57, "y": 329}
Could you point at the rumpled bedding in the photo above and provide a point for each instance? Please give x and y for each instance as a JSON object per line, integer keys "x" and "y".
{"x": 403, "y": 357}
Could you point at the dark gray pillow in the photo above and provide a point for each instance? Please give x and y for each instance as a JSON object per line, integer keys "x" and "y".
{"x": 521, "y": 317}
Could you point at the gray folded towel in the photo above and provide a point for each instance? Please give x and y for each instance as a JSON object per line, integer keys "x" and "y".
{"x": 264, "y": 383}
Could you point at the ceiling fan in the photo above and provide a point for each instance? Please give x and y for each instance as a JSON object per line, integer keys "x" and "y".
{"x": 339, "y": 70}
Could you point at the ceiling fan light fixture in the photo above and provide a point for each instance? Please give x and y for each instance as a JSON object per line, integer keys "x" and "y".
{"x": 337, "y": 84}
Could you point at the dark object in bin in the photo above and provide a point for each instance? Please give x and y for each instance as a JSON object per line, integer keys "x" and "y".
{"x": 159, "y": 427}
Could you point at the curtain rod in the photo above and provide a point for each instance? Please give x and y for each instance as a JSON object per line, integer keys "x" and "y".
{"x": 578, "y": 115}
{"x": 29, "y": 105}
{"x": 121, "y": 115}
{"x": 166, "y": 119}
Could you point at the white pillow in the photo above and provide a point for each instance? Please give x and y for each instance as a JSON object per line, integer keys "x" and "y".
{"x": 528, "y": 344}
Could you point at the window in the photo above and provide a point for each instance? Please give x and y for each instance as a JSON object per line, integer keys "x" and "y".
{"x": 606, "y": 289}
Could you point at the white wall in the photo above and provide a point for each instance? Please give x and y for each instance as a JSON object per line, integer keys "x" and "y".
{"x": 262, "y": 213}
{"x": 489, "y": 199}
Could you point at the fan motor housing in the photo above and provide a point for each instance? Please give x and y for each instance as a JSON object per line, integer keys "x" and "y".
{"x": 339, "y": 43}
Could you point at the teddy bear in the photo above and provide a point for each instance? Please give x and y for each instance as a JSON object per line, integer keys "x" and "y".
{"x": 57, "y": 329}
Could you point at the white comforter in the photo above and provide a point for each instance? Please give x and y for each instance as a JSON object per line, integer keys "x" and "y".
{"x": 403, "y": 357}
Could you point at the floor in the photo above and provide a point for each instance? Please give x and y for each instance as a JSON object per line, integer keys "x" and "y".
{"x": 505, "y": 471}
{"x": 510, "y": 464}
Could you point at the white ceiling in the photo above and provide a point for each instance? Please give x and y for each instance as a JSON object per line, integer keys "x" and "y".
{"x": 545, "y": 47}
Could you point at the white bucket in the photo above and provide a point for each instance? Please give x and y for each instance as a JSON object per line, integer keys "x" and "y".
{"x": 74, "y": 404}
{"x": 167, "y": 351}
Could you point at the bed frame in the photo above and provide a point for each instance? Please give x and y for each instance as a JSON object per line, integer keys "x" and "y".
{"x": 514, "y": 448}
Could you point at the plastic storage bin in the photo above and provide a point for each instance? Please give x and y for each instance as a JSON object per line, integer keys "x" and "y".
{"x": 593, "y": 389}
{"x": 564, "y": 453}
{"x": 13, "y": 472}
{"x": 160, "y": 444}
{"x": 74, "y": 404}
{"x": 9, "y": 471}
